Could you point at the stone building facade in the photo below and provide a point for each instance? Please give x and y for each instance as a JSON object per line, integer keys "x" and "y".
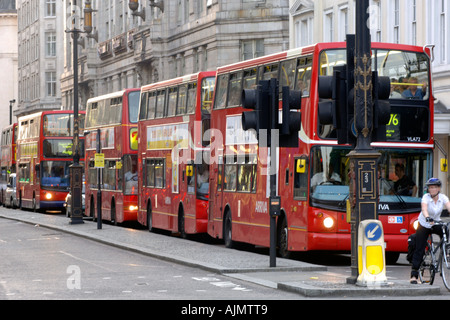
{"x": 39, "y": 48}
{"x": 8, "y": 60}
{"x": 177, "y": 37}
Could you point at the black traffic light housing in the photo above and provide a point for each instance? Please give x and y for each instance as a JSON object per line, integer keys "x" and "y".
{"x": 265, "y": 115}
{"x": 291, "y": 120}
{"x": 258, "y": 100}
{"x": 381, "y": 106}
{"x": 334, "y": 105}
{"x": 336, "y": 94}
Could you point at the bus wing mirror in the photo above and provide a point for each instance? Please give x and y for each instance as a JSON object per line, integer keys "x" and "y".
{"x": 444, "y": 165}
{"x": 189, "y": 170}
{"x": 301, "y": 166}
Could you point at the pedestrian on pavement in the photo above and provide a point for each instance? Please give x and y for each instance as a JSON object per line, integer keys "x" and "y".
{"x": 433, "y": 203}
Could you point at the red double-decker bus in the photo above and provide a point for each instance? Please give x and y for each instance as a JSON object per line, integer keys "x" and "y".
{"x": 312, "y": 180}
{"x": 8, "y": 157}
{"x": 44, "y": 154}
{"x": 173, "y": 158}
{"x": 115, "y": 116}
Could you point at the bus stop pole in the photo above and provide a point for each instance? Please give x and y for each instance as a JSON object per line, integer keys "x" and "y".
{"x": 99, "y": 192}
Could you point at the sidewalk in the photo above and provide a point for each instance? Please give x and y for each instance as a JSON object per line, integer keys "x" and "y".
{"x": 291, "y": 275}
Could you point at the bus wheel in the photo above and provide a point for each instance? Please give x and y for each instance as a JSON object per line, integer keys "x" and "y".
{"x": 283, "y": 250}
{"x": 149, "y": 218}
{"x": 181, "y": 226}
{"x": 33, "y": 205}
{"x": 392, "y": 257}
{"x": 227, "y": 232}
{"x": 92, "y": 209}
{"x": 113, "y": 213}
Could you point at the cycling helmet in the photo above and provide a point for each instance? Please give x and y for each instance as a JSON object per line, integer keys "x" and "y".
{"x": 434, "y": 182}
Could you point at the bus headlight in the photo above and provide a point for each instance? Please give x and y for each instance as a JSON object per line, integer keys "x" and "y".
{"x": 48, "y": 196}
{"x": 133, "y": 208}
{"x": 416, "y": 224}
{"x": 328, "y": 222}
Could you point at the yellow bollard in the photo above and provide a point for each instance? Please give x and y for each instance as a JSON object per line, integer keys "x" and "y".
{"x": 371, "y": 257}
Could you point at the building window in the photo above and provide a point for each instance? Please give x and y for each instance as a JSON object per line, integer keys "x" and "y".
{"x": 396, "y": 21}
{"x": 50, "y": 44}
{"x": 328, "y": 26}
{"x": 375, "y": 12}
{"x": 343, "y": 23}
{"x": 413, "y": 22}
{"x": 50, "y": 83}
{"x": 443, "y": 31}
{"x": 252, "y": 49}
{"x": 50, "y": 8}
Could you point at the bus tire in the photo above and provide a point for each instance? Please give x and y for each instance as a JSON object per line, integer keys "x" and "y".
{"x": 113, "y": 212}
{"x": 181, "y": 223}
{"x": 92, "y": 209}
{"x": 149, "y": 218}
{"x": 33, "y": 204}
{"x": 282, "y": 241}
{"x": 227, "y": 230}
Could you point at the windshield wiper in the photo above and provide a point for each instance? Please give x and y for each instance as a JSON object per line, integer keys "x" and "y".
{"x": 400, "y": 199}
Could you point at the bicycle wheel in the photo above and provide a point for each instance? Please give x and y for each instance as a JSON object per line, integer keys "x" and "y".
{"x": 445, "y": 266}
{"x": 427, "y": 268}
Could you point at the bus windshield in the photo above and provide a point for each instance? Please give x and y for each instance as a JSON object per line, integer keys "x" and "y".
{"x": 408, "y": 71}
{"x": 401, "y": 177}
{"x": 55, "y": 175}
{"x": 61, "y": 125}
{"x": 133, "y": 106}
{"x": 207, "y": 94}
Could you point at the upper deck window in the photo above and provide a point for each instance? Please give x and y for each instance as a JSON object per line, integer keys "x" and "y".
{"x": 408, "y": 71}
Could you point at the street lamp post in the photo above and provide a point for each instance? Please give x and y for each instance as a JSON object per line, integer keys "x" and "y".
{"x": 363, "y": 159}
{"x": 75, "y": 170}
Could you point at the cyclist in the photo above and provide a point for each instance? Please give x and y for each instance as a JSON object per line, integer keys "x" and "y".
{"x": 433, "y": 203}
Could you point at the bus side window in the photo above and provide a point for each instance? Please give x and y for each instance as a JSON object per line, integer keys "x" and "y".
{"x": 191, "y": 97}
{"x": 303, "y": 82}
{"x": 235, "y": 89}
{"x": 181, "y": 105}
{"x": 300, "y": 178}
{"x": 221, "y": 94}
{"x": 219, "y": 174}
{"x": 250, "y": 79}
{"x": 151, "y": 105}
{"x": 143, "y": 106}
{"x": 160, "y": 104}
{"x": 268, "y": 72}
{"x": 172, "y": 103}
{"x": 287, "y": 75}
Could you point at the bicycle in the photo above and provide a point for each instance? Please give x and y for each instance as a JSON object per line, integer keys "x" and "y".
{"x": 434, "y": 261}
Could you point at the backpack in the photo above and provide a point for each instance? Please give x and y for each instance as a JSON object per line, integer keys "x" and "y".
{"x": 411, "y": 247}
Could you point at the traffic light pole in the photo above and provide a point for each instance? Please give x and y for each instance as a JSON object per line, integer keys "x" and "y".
{"x": 363, "y": 159}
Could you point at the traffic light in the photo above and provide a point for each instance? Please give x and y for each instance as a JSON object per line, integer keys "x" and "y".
{"x": 381, "y": 106}
{"x": 291, "y": 120}
{"x": 258, "y": 100}
{"x": 327, "y": 107}
{"x": 333, "y": 109}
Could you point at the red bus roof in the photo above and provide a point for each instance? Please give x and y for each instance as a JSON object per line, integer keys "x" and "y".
{"x": 179, "y": 80}
{"x": 112, "y": 95}
{"x": 309, "y": 50}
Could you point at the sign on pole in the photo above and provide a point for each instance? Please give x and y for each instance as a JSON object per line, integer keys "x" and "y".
{"x": 99, "y": 160}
